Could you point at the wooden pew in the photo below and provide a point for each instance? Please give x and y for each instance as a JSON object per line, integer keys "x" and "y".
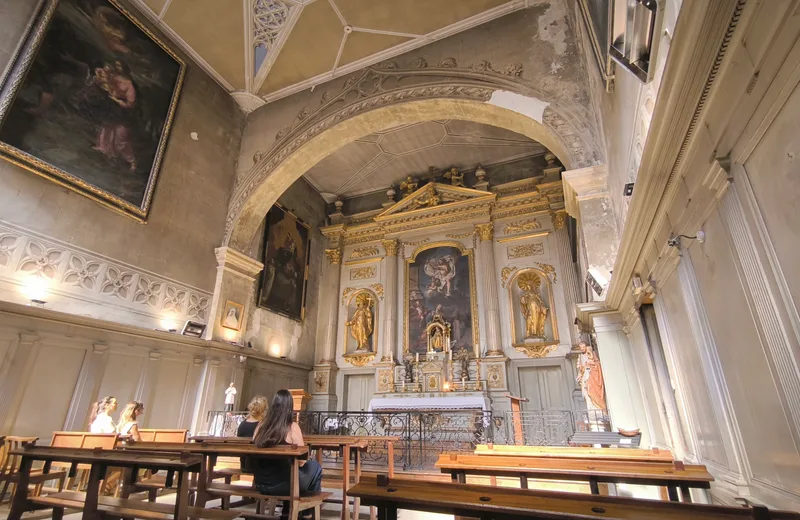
{"x": 466, "y": 500}
{"x": 64, "y": 439}
{"x": 672, "y": 476}
{"x": 605, "y": 439}
{"x": 163, "y": 435}
{"x": 100, "y": 461}
{"x": 10, "y": 464}
{"x": 570, "y": 452}
{"x": 207, "y": 489}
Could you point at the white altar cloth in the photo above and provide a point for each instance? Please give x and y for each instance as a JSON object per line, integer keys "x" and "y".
{"x": 466, "y": 402}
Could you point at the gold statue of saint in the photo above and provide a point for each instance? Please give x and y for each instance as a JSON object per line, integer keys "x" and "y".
{"x": 408, "y": 186}
{"x": 437, "y": 341}
{"x": 532, "y": 305}
{"x": 456, "y": 177}
{"x": 361, "y": 323}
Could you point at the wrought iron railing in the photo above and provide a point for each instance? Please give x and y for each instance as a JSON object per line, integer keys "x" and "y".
{"x": 423, "y": 436}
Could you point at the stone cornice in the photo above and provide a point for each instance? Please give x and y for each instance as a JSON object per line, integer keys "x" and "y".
{"x": 704, "y": 37}
{"x": 237, "y": 262}
{"x": 582, "y": 184}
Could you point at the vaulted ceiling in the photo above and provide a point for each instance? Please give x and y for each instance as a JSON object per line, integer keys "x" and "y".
{"x": 380, "y": 160}
{"x": 274, "y": 48}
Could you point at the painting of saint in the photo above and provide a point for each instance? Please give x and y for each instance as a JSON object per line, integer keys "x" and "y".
{"x": 92, "y": 109}
{"x": 439, "y": 285}
{"x": 286, "y": 250}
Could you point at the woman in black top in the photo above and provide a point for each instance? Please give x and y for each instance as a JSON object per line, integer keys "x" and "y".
{"x": 271, "y": 476}
{"x": 256, "y": 409}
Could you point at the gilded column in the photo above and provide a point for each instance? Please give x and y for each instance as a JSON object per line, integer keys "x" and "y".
{"x": 491, "y": 302}
{"x": 569, "y": 276}
{"x": 329, "y": 303}
{"x": 390, "y": 301}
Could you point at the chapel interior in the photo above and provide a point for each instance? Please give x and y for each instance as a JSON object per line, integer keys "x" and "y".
{"x": 511, "y": 258}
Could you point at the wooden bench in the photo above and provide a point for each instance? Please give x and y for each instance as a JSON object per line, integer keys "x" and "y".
{"x": 605, "y": 439}
{"x": 672, "y": 476}
{"x": 100, "y": 461}
{"x": 389, "y": 495}
{"x": 207, "y": 489}
{"x": 64, "y": 439}
{"x": 10, "y": 464}
{"x": 163, "y": 435}
{"x": 574, "y": 452}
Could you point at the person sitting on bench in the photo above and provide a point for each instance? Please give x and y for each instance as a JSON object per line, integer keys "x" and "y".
{"x": 271, "y": 477}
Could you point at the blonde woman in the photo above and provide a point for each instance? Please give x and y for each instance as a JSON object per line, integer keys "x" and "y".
{"x": 100, "y": 420}
{"x": 128, "y": 420}
{"x": 255, "y": 413}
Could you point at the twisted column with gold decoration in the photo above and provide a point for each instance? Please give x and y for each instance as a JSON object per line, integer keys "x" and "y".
{"x": 491, "y": 301}
{"x": 569, "y": 275}
{"x": 387, "y": 346}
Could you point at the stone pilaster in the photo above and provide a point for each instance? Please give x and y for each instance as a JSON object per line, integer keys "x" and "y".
{"x": 491, "y": 301}
{"x": 15, "y": 370}
{"x": 85, "y": 393}
{"x": 389, "y": 343}
{"x": 236, "y": 282}
{"x": 569, "y": 275}
{"x": 586, "y": 198}
{"x": 147, "y": 381}
{"x": 329, "y": 303}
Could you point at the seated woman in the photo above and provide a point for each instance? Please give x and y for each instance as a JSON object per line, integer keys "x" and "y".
{"x": 271, "y": 477}
{"x": 255, "y": 414}
{"x": 100, "y": 420}
{"x": 128, "y": 424}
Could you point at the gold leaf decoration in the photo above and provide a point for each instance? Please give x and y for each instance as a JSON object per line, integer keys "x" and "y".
{"x": 525, "y": 250}
{"x": 549, "y": 270}
{"x": 505, "y": 274}
{"x": 522, "y": 226}
{"x": 363, "y": 252}
{"x": 378, "y": 288}
{"x": 363, "y": 272}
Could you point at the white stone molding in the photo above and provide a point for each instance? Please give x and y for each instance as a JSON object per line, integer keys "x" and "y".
{"x": 85, "y": 392}
{"x": 767, "y": 291}
{"x": 714, "y": 376}
{"x": 20, "y": 361}
{"x": 78, "y": 275}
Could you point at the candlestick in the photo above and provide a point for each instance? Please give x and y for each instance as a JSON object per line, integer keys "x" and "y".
{"x": 417, "y": 359}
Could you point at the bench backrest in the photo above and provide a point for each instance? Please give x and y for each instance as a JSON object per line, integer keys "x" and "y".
{"x": 570, "y": 452}
{"x": 106, "y": 441}
{"x": 163, "y": 435}
{"x": 606, "y": 439}
{"x": 9, "y": 463}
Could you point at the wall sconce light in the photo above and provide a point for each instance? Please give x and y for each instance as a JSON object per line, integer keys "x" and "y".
{"x": 169, "y": 324}
{"x": 35, "y": 287}
{"x": 676, "y": 241}
{"x": 275, "y": 350}
{"x": 231, "y": 336}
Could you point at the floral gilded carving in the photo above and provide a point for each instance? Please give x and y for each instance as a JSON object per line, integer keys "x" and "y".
{"x": 522, "y": 226}
{"x": 364, "y": 252}
{"x": 505, "y": 274}
{"x": 362, "y": 273}
{"x": 525, "y": 250}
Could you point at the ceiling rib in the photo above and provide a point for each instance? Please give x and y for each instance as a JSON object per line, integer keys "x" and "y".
{"x": 164, "y": 9}
{"x": 416, "y": 43}
{"x": 388, "y": 33}
{"x": 338, "y": 12}
{"x": 286, "y": 30}
{"x": 248, "y": 43}
{"x": 341, "y": 50}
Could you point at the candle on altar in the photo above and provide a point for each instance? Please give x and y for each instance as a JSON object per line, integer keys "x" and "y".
{"x": 417, "y": 357}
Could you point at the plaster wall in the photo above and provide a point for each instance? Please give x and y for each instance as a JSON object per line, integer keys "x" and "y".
{"x": 272, "y": 333}
{"x": 187, "y": 217}
{"x": 766, "y": 436}
{"x": 53, "y": 366}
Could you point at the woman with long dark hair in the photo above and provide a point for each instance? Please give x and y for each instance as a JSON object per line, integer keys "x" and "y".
{"x": 100, "y": 420}
{"x": 271, "y": 477}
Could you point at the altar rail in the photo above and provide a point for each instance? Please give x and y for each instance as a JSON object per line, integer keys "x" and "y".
{"x": 425, "y": 435}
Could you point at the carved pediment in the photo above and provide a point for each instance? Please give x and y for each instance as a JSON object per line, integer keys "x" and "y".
{"x": 433, "y": 195}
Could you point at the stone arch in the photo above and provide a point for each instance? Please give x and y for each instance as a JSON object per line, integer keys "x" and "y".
{"x": 253, "y": 198}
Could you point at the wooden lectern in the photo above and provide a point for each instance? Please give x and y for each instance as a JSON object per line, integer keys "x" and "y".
{"x": 300, "y": 399}
{"x": 516, "y": 417}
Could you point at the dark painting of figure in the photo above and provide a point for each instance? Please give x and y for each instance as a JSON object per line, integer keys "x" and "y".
{"x": 94, "y": 108}
{"x": 286, "y": 249}
{"x": 439, "y": 282}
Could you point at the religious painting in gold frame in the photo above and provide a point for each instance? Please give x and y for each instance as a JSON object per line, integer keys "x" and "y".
{"x": 529, "y": 290}
{"x": 441, "y": 274}
{"x": 88, "y": 102}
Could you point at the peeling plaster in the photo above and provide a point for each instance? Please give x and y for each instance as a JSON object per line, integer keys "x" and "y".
{"x": 552, "y": 27}
{"x": 527, "y": 106}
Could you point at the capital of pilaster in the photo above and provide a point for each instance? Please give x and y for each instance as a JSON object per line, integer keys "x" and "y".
{"x": 28, "y": 338}
{"x": 390, "y": 246}
{"x": 334, "y": 255}
{"x": 155, "y": 355}
{"x": 559, "y": 218}
{"x": 484, "y": 231}
{"x": 99, "y": 348}
{"x": 237, "y": 262}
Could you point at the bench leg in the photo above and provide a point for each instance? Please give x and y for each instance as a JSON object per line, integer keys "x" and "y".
{"x": 673, "y": 494}
{"x": 387, "y": 513}
{"x": 373, "y": 513}
{"x": 594, "y": 487}
{"x": 686, "y": 494}
{"x": 58, "y": 513}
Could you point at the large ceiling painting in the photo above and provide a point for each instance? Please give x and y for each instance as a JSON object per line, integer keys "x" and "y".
{"x": 440, "y": 281}
{"x": 89, "y": 102}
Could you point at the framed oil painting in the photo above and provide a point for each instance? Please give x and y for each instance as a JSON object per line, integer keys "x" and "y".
{"x": 89, "y": 102}
{"x": 286, "y": 253}
{"x": 440, "y": 282}
{"x": 232, "y": 315}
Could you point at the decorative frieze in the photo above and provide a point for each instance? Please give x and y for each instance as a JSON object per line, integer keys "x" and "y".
{"x": 364, "y": 252}
{"x": 525, "y": 250}
{"x": 74, "y": 271}
{"x": 362, "y": 273}
{"x": 522, "y": 226}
